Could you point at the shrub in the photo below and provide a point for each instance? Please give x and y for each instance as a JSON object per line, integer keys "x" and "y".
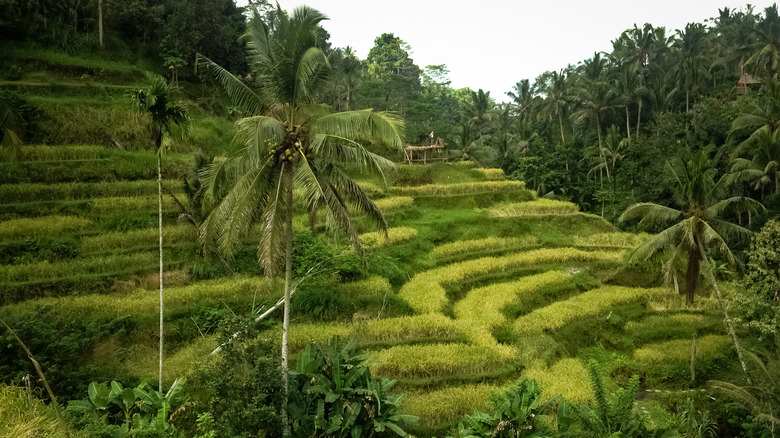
{"x": 31, "y": 228}
{"x": 426, "y": 294}
{"x": 460, "y": 188}
{"x": 534, "y": 208}
{"x": 448, "y": 405}
{"x": 376, "y": 239}
{"x": 336, "y": 395}
{"x": 436, "y": 360}
{"x": 468, "y": 248}
{"x": 590, "y": 303}
{"x": 567, "y": 377}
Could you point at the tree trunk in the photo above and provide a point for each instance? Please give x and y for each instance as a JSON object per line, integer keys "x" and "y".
{"x": 288, "y": 236}
{"x": 638, "y": 118}
{"x": 628, "y": 123}
{"x": 100, "y": 22}
{"x": 159, "y": 226}
{"x": 692, "y": 275}
{"x": 727, "y": 319}
{"x": 687, "y": 97}
{"x": 560, "y": 123}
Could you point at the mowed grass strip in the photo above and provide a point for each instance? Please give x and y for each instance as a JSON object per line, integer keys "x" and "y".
{"x": 567, "y": 377}
{"x": 136, "y": 239}
{"x": 616, "y": 240}
{"x": 538, "y": 207}
{"x": 448, "y": 405}
{"x": 459, "y": 188}
{"x": 435, "y": 360}
{"x": 144, "y": 304}
{"x": 590, "y": 303}
{"x": 679, "y": 350}
{"x": 28, "y": 192}
{"x": 480, "y": 311}
{"x": 32, "y": 228}
{"x": 426, "y": 293}
{"x": 464, "y": 248}
{"x": 395, "y": 235}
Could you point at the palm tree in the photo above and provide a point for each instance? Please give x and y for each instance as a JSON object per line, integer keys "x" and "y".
{"x": 556, "y": 99}
{"x": 758, "y": 118}
{"x": 692, "y": 53}
{"x": 766, "y": 51}
{"x": 761, "y": 169}
{"x": 288, "y": 139}
{"x": 701, "y": 217}
{"x": 523, "y": 95}
{"x": 479, "y": 109}
{"x": 627, "y": 87}
{"x": 597, "y": 100}
{"x": 167, "y": 117}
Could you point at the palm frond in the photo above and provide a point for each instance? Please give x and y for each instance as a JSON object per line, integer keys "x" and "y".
{"x": 363, "y": 126}
{"x": 271, "y": 247}
{"x": 665, "y": 239}
{"x": 238, "y": 92}
{"x": 650, "y": 214}
{"x": 311, "y": 75}
{"x": 735, "y": 205}
{"x": 712, "y": 239}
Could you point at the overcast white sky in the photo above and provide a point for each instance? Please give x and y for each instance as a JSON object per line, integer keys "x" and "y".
{"x": 491, "y": 44}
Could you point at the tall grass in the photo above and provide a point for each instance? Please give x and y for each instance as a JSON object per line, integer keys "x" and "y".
{"x": 567, "y": 377}
{"x": 591, "y": 303}
{"x": 42, "y": 226}
{"x": 468, "y": 248}
{"x": 480, "y": 311}
{"x": 537, "y": 207}
{"x": 24, "y": 415}
{"x": 426, "y": 293}
{"x": 448, "y": 405}
{"x": 460, "y": 188}
{"x": 136, "y": 239}
{"x": 435, "y": 360}
{"x": 26, "y": 192}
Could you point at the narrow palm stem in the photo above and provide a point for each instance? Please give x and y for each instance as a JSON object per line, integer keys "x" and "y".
{"x": 628, "y": 123}
{"x": 560, "y": 123}
{"x": 727, "y": 319}
{"x": 159, "y": 226}
{"x": 638, "y": 118}
{"x": 287, "y": 171}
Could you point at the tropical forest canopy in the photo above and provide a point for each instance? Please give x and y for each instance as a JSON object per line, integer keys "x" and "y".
{"x": 604, "y": 230}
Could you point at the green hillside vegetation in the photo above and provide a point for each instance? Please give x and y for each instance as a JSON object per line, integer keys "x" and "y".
{"x": 509, "y": 262}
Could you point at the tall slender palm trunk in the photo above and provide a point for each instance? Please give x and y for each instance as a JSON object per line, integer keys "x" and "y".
{"x": 560, "y": 123}
{"x": 287, "y": 174}
{"x": 692, "y": 274}
{"x": 159, "y": 229}
{"x": 638, "y": 118}
{"x": 628, "y": 123}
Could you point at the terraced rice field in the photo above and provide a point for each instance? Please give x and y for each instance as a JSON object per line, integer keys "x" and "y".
{"x": 496, "y": 284}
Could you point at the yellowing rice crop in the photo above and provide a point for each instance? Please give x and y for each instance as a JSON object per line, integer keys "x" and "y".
{"x": 460, "y": 188}
{"x": 41, "y": 226}
{"x": 394, "y": 203}
{"x": 395, "y": 235}
{"x": 567, "y": 377}
{"x": 590, "y": 303}
{"x": 136, "y": 238}
{"x": 405, "y": 329}
{"x": 449, "y": 404}
{"x": 131, "y": 203}
{"x": 435, "y": 360}
{"x": 491, "y": 174}
{"x": 462, "y": 248}
{"x": 537, "y": 207}
{"x": 619, "y": 240}
{"x": 370, "y": 287}
{"x": 679, "y": 350}
{"x": 426, "y": 294}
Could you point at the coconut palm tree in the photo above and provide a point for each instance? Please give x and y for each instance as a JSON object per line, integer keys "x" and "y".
{"x": 167, "y": 117}
{"x": 523, "y": 95}
{"x": 762, "y": 169}
{"x": 692, "y": 53}
{"x": 759, "y": 117}
{"x": 288, "y": 139}
{"x": 766, "y": 49}
{"x": 701, "y": 217}
{"x": 556, "y": 99}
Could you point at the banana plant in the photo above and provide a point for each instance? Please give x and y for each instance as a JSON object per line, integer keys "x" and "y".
{"x": 143, "y": 408}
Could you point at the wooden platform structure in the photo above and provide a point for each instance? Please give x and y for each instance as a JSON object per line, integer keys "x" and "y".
{"x": 425, "y": 154}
